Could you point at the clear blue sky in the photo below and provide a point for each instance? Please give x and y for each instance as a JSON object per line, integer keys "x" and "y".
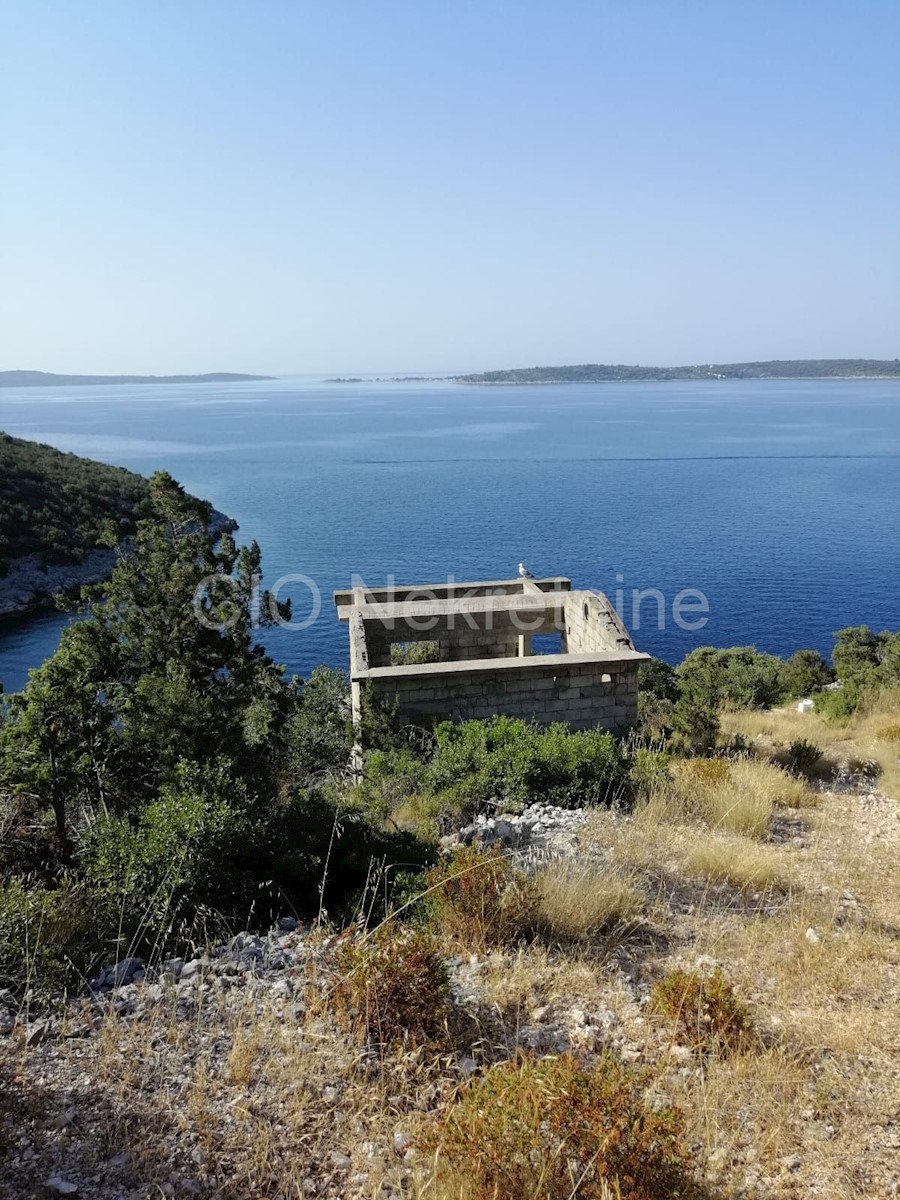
{"x": 381, "y": 185}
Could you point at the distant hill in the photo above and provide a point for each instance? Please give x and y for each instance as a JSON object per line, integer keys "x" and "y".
{"x": 796, "y": 368}
{"x": 45, "y": 379}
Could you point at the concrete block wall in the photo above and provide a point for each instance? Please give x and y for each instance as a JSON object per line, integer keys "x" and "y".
{"x": 592, "y": 626}
{"x": 495, "y": 636}
{"x": 585, "y": 695}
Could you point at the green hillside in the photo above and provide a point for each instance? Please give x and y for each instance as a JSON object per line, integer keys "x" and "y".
{"x": 57, "y": 504}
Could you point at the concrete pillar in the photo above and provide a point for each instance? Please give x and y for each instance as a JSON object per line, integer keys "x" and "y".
{"x": 524, "y": 645}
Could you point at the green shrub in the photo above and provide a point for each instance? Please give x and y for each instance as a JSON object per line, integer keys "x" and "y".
{"x": 502, "y": 763}
{"x": 393, "y": 987}
{"x": 191, "y": 848}
{"x": 411, "y": 654}
{"x": 45, "y": 940}
{"x": 803, "y": 757}
{"x": 320, "y": 734}
{"x": 839, "y": 704}
{"x": 475, "y": 897}
{"x": 695, "y": 727}
{"x": 648, "y": 770}
{"x": 511, "y": 763}
{"x": 739, "y": 677}
{"x": 705, "y": 1009}
{"x": 803, "y": 674}
{"x": 551, "y": 1129}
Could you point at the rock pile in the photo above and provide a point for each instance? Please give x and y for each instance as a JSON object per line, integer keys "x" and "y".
{"x": 540, "y": 827}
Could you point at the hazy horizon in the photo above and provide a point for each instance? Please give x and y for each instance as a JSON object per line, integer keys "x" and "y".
{"x": 392, "y": 374}
{"x": 312, "y": 190}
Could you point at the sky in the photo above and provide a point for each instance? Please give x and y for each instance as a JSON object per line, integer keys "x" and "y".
{"x": 294, "y": 186}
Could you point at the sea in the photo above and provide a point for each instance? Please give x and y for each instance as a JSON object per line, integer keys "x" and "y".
{"x": 722, "y": 513}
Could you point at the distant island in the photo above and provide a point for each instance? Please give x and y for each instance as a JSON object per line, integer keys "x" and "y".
{"x": 392, "y": 379}
{"x": 47, "y": 379}
{"x": 797, "y": 368}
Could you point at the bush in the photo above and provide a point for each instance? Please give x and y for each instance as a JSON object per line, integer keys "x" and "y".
{"x": 839, "y": 704}
{"x": 551, "y": 1129}
{"x": 707, "y": 1013}
{"x": 695, "y": 727}
{"x": 504, "y": 763}
{"x": 196, "y": 846}
{"x": 393, "y": 987}
{"x": 410, "y": 654}
{"x": 739, "y": 677}
{"x": 320, "y": 734}
{"x": 45, "y": 947}
{"x": 511, "y": 763}
{"x": 476, "y": 898}
{"x": 649, "y": 770}
{"x": 803, "y": 674}
{"x": 803, "y": 757}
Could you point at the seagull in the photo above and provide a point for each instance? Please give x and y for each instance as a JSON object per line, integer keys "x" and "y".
{"x": 524, "y": 573}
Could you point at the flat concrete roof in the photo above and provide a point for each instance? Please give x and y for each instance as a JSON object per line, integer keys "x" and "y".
{"x": 461, "y": 592}
{"x": 518, "y": 602}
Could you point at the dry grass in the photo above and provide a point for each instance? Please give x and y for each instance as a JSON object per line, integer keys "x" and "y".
{"x": 578, "y": 902}
{"x": 739, "y": 797}
{"x": 536, "y": 976}
{"x": 866, "y": 737}
{"x": 733, "y": 860}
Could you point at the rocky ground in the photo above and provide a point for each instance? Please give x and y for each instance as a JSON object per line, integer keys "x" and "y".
{"x": 227, "y": 1075}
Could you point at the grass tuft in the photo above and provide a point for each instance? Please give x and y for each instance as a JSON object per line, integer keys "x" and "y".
{"x": 578, "y": 902}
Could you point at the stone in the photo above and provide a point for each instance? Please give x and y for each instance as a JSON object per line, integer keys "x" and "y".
{"x": 812, "y": 936}
{"x": 38, "y": 1032}
{"x": 792, "y": 1162}
{"x": 287, "y": 924}
{"x": 60, "y": 1186}
{"x": 506, "y": 831}
{"x": 7, "y": 1021}
{"x": 123, "y": 972}
{"x": 342, "y": 1162}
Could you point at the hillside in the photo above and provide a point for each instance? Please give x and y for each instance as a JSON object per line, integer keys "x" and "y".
{"x": 800, "y": 368}
{"x": 499, "y": 961}
{"x": 54, "y": 510}
{"x": 47, "y": 379}
{"x": 297, "y": 1062}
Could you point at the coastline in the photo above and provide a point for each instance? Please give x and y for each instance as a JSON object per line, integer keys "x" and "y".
{"x": 29, "y": 588}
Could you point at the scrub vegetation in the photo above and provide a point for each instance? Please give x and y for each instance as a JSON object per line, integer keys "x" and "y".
{"x": 700, "y": 999}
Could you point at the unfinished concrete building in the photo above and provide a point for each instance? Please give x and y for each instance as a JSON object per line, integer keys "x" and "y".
{"x": 482, "y": 638}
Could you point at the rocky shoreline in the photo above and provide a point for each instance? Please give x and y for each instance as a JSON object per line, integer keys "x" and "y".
{"x": 30, "y": 587}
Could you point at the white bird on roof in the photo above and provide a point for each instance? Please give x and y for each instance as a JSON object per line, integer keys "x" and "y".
{"x": 524, "y": 573}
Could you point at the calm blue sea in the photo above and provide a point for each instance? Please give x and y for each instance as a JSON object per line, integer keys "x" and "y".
{"x": 779, "y": 501}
